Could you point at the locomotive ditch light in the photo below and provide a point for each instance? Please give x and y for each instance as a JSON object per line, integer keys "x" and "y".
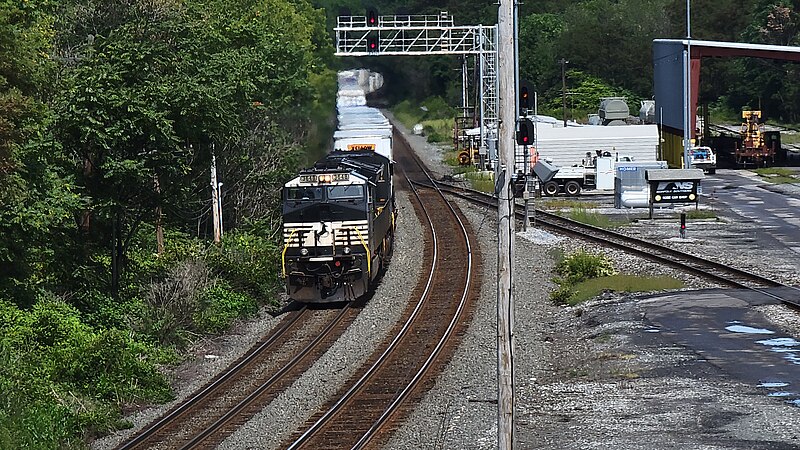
{"x": 347, "y": 250}
{"x": 304, "y": 251}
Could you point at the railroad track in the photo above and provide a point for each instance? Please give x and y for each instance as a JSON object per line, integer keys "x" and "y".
{"x": 215, "y": 411}
{"x": 364, "y": 413}
{"x": 711, "y": 270}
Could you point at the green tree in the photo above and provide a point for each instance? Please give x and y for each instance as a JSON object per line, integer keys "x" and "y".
{"x": 538, "y": 54}
{"x": 38, "y": 198}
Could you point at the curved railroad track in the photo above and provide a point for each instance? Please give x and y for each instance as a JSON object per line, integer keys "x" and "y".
{"x": 711, "y": 270}
{"x": 366, "y": 411}
{"x": 215, "y": 411}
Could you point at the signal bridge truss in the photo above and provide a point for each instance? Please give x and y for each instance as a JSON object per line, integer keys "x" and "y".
{"x": 429, "y": 35}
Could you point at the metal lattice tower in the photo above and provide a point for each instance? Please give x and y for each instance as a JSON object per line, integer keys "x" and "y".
{"x": 428, "y": 35}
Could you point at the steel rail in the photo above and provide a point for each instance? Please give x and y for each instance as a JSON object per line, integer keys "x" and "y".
{"x": 678, "y": 259}
{"x": 214, "y": 385}
{"x": 373, "y": 430}
{"x": 230, "y": 414}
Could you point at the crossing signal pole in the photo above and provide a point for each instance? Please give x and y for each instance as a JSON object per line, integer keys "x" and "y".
{"x": 526, "y": 137}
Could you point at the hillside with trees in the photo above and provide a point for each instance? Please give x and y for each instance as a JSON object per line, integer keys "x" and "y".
{"x": 112, "y": 111}
{"x": 609, "y": 49}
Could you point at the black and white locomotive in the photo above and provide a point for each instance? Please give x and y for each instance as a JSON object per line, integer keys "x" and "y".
{"x": 338, "y": 223}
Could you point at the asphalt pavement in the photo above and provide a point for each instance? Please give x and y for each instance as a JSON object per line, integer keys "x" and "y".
{"x": 774, "y": 208}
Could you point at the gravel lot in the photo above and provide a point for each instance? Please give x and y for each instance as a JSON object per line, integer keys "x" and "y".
{"x": 590, "y": 376}
{"x": 585, "y": 377}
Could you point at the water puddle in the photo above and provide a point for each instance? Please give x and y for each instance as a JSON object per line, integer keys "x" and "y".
{"x": 781, "y": 394}
{"x": 747, "y": 330}
{"x": 788, "y": 347}
{"x": 772, "y": 384}
{"x": 780, "y": 342}
{"x": 785, "y": 346}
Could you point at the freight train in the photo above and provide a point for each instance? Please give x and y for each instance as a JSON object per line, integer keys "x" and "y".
{"x": 339, "y": 215}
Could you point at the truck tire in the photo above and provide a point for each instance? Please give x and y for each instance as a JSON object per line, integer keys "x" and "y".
{"x": 572, "y": 188}
{"x": 551, "y": 188}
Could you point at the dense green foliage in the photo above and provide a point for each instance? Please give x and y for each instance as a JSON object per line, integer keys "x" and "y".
{"x": 609, "y": 49}
{"x": 434, "y": 114}
{"x": 110, "y": 113}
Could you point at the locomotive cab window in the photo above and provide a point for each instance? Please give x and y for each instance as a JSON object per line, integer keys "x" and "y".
{"x": 346, "y": 192}
{"x": 304, "y": 193}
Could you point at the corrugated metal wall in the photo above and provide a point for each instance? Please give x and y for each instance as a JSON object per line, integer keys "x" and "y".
{"x": 568, "y": 146}
{"x": 672, "y": 149}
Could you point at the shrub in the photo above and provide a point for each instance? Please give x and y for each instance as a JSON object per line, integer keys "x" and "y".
{"x": 219, "y": 306}
{"x": 108, "y": 365}
{"x": 581, "y": 265}
{"x": 563, "y": 294}
{"x": 248, "y": 262}
{"x": 169, "y": 306}
{"x": 60, "y": 378}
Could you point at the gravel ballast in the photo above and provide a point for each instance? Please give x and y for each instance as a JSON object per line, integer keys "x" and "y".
{"x": 589, "y": 376}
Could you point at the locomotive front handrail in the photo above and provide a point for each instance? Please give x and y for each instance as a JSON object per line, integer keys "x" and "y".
{"x": 283, "y": 253}
{"x": 366, "y": 248}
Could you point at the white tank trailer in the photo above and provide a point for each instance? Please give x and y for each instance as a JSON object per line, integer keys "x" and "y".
{"x": 570, "y": 146}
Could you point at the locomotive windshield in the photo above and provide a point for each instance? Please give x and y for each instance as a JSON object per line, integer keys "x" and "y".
{"x": 308, "y": 193}
{"x": 346, "y": 192}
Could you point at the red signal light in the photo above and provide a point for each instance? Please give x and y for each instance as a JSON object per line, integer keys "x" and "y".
{"x": 372, "y": 18}
{"x": 525, "y": 132}
{"x": 372, "y": 44}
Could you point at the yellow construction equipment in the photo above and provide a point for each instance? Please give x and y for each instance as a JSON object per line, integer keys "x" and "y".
{"x": 753, "y": 151}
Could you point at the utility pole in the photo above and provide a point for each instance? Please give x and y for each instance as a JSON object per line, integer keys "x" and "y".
{"x": 215, "y": 204}
{"x": 687, "y": 88}
{"x": 505, "y": 225}
{"x": 563, "y": 63}
{"x": 159, "y": 216}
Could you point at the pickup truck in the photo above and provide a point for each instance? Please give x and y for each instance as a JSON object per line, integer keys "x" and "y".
{"x": 703, "y": 158}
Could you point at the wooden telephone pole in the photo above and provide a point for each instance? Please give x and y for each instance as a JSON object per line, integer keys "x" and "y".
{"x": 506, "y": 225}
{"x": 215, "y": 203}
{"x": 564, "y": 63}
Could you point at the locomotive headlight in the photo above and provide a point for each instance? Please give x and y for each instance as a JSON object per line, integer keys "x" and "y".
{"x": 304, "y": 251}
{"x": 347, "y": 250}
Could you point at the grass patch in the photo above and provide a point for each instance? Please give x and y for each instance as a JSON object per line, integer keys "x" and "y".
{"x": 790, "y": 138}
{"x": 777, "y": 175}
{"x": 434, "y": 114}
{"x": 583, "y": 215}
{"x": 438, "y": 130}
{"x": 481, "y": 181}
{"x": 701, "y": 214}
{"x": 593, "y": 287}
